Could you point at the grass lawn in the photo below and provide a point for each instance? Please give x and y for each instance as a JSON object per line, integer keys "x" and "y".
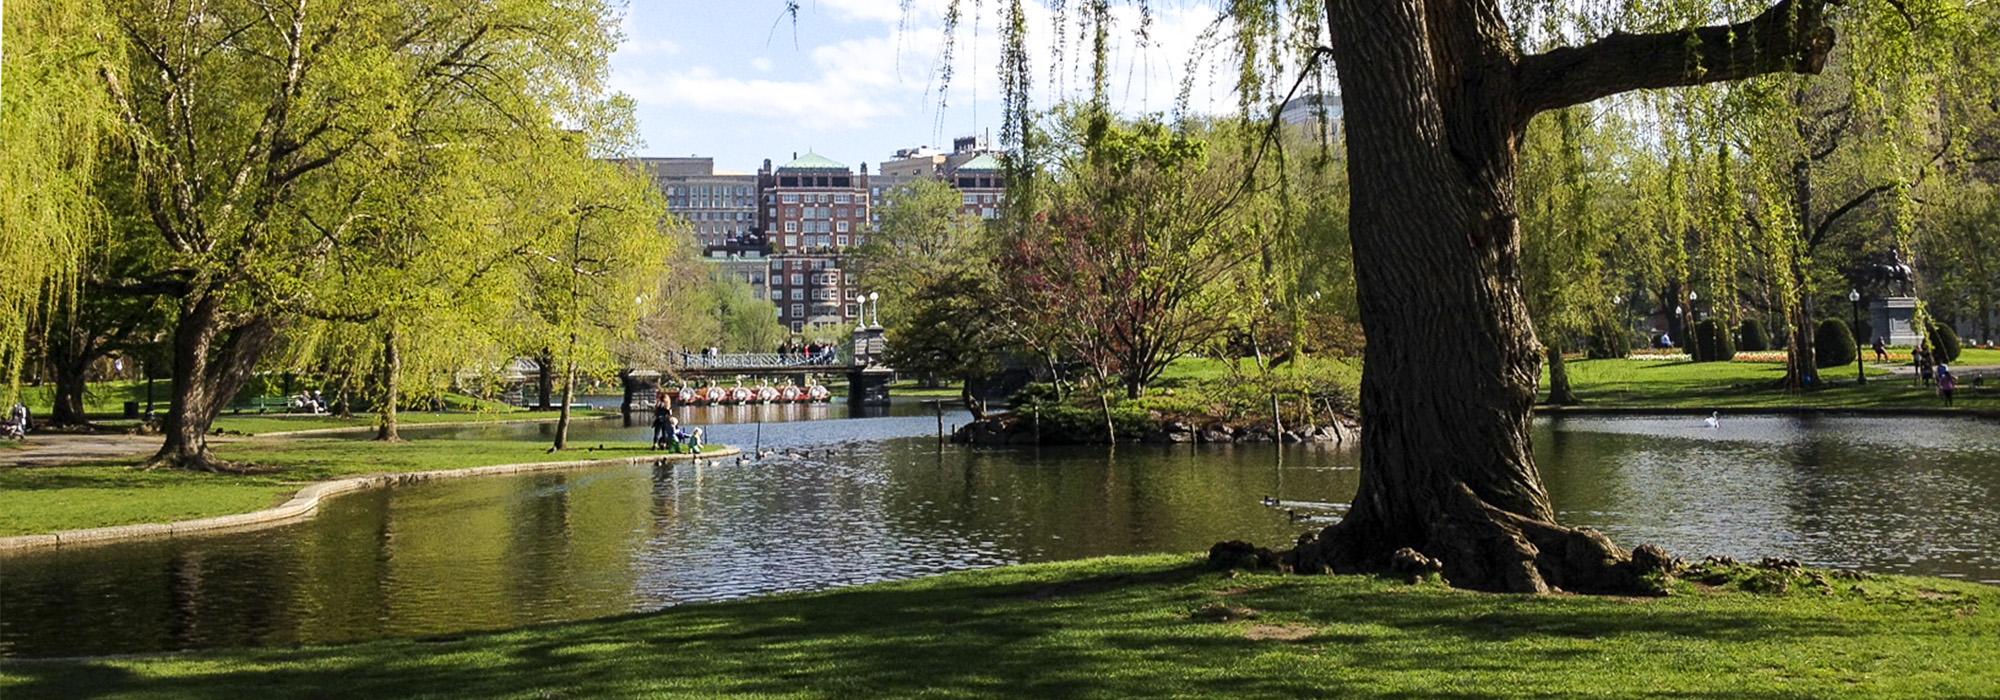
{"x": 258, "y": 424}
{"x": 1150, "y": 627}
{"x": 1190, "y": 370}
{"x": 48, "y": 499}
{"x": 1681, "y": 384}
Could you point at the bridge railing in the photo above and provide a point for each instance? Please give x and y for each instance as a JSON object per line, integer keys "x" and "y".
{"x": 752, "y": 361}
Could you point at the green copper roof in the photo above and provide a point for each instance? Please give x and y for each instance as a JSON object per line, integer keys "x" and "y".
{"x": 984, "y": 161}
{"x": 814, "y": 161}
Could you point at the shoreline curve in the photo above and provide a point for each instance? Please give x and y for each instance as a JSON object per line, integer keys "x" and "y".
{"x": 306, "y": 502}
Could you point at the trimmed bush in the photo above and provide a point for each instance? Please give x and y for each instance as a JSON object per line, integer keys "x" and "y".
{"x": 1833, "y": 344}
{"x": 1751, "y": 336}
{"x": 1945, "y": 343}
{"x": 1712, "y": 343}
{"x": 1608, "y": 341}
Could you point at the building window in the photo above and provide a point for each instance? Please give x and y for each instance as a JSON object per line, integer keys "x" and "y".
{"x": 841, "y": 227}
{"x": 841, "y": 240}
{"x": 791, "y": 227}
{"x": 798, "y": 311}
{"x": 798, "y": 327}
{"x": 850, "y": 310}
{"x": 798, "y": 280}
{"x": 789, "y": 199}
{"x": 971, "y": 199}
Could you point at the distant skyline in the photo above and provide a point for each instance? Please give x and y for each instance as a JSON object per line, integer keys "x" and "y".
{"x": 856, "y": 79}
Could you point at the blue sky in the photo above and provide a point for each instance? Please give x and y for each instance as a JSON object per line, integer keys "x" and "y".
{"x": 856, "y": 79}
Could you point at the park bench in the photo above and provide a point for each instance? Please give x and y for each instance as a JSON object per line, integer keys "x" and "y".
{"x": 263, "y": 404}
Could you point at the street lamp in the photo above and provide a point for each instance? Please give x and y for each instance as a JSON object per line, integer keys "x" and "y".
{"x": 876, "y": 297}
{"x": 861, "y": 320}
{"x": 1854, "y": 299}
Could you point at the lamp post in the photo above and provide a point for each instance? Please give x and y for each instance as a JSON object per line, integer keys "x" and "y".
{"x": 876, "y": 298}
{"x": 1854, "y": 299}
{"x": 861, "y": 320}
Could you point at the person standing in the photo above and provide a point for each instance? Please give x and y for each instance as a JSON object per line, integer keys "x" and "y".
{"x": 660, "y": 418}
{"x": 1947, "y": 383}
{"x": 1922, "y": 356}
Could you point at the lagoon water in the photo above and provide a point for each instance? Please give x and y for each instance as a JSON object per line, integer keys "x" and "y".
{"x": 849, "y": 500}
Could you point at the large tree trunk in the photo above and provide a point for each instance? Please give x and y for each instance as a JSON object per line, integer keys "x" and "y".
{"x": 1436, "y": 101}
{"x": 70, "y": 356}
{"x": 568, "y": 393}
{"x": 211, "y": 364}
{"x": 392, "y": 370}
{"x": 1802, "y": 370}
{"x": 1560, "y": 393}
{"x": 545, "y": 381}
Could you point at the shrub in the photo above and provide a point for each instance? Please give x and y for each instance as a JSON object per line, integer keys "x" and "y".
{"x": 1751, "y": 336}
{"x": 1712, "y": 343}
{"x": 1833, "y": 344}
{"x": 1945, "y": 343}
{"x": 1608, "y": 340}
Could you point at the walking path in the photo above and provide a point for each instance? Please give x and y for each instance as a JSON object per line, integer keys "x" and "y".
{"x": 51, "y": 449}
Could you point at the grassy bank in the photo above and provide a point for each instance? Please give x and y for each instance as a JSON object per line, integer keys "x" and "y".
{"x": 1149, "y": 627}
{"x": 48, "y": 499}
{"x": 1681, "y": 384}
{"x": 259, "y": 424}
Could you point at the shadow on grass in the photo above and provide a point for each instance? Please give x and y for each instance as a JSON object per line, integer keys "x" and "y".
{"x": 1120, "y": 634}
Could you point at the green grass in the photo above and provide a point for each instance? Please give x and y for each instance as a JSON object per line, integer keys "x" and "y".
{"x": 1149, "y": 627}
{"x": 36, "y": 500}
{"x": 1681, "y": 384}
{"x": 1193, "y": 370}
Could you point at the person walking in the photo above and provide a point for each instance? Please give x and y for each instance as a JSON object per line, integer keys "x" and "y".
{"x": 1922, "y": 356}
{"x": 1881, "y": 350}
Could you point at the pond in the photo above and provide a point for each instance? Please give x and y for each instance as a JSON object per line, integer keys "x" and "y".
{"x": 844, "y": 501}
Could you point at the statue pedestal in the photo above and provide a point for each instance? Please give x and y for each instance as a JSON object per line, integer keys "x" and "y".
{"x": 1892, "y": 318}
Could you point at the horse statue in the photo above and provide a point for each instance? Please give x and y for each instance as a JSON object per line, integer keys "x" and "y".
{"x": 1890, "y": 271}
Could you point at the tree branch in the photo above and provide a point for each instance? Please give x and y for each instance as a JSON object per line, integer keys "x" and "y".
{"x": 1790, "y": 36}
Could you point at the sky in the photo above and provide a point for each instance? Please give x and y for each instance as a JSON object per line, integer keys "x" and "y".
{"x": 854, "y": 80}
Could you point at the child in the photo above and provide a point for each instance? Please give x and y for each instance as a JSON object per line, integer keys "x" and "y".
{"x": 1946, "y": 383}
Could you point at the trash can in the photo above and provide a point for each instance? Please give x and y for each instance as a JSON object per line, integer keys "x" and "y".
{"x": 131, "y": 409}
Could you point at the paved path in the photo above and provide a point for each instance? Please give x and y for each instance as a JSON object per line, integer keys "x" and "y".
{"x": 1909, "y": 370}
{"x": 51, "y": 449}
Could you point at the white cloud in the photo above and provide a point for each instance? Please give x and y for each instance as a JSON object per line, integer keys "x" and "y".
{"x": 887, "y": 68}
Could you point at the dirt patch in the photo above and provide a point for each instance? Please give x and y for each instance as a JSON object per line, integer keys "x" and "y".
{"x": 1219, "y": 612}
{"x": 1279, "y": 633}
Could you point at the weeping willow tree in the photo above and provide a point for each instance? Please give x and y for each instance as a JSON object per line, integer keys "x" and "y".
{"x": 242, "y": 115}
{"x": 1437, "y": 95}
{"x": 1570, "y": 216}
{"x": 54, "y": 115}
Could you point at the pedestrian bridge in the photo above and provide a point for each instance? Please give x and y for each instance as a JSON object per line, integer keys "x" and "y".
{"x": 699, "y": 364}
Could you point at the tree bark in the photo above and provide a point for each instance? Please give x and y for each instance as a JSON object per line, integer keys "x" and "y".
{"x": 1436, "y": 101}
{"x": 545, "y": 382}
{"x": 568, "y": 393}
{"x": 392, "y": 371}
{"x": 1803, "y": 367}
{"x": 211, "y": 364}
{"x": 70, "y": 356}
{"x": 1560, "y": 393}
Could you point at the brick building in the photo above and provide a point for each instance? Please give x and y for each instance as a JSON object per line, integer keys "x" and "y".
{"x": 813, "y": 210}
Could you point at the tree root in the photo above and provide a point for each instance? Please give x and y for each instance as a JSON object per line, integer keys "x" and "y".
{"x": 1472, "y": 545}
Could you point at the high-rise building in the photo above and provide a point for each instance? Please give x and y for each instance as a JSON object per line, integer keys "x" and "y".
{"x": 814, "y": 209}
{"x": 720, "y": 208}
{"x": 969, "y": 167}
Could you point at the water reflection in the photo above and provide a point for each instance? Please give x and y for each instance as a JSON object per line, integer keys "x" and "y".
{"x": 866, "y": 499}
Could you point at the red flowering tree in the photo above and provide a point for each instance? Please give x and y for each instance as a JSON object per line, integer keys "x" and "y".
{"x": 1129, "y": 260}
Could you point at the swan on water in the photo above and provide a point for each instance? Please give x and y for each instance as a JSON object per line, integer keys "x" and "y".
{"x": 1714, "y": 419}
